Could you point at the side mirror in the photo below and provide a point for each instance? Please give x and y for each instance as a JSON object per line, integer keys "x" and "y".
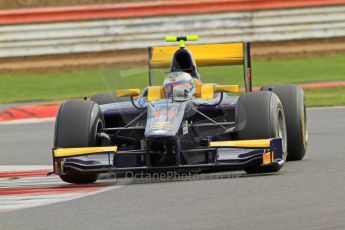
{"x": 208, "y": 90}
{"x": 127, "y": 92}
{"x": 226, "y": 88}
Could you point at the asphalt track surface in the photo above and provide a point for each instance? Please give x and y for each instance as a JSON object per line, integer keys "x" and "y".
{"x": 307, "y": 195}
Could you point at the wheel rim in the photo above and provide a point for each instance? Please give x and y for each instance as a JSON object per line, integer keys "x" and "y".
{"x": 99, "y": 127}
{"x": 282, "y": 132}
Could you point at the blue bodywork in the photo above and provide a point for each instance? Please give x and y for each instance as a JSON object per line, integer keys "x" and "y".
{"x": 142, "y": 149}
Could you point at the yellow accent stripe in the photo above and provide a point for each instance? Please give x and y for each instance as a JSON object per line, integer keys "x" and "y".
{"x": 260, "y": 143}
{"x": 69, "y": 152}
{"x": 204, "y": 55}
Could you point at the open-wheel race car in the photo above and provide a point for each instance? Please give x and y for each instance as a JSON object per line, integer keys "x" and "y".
{"x": 182, "y": 124}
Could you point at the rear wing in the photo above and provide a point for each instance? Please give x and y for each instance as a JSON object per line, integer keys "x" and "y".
{"x": 160, "y": 57}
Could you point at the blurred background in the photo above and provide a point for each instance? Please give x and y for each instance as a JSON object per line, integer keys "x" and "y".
{"x": 56, "y": 50}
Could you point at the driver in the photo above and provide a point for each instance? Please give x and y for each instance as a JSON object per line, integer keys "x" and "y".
{"x": 179, "y": 85}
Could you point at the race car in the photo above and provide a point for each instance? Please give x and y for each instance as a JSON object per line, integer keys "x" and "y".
{"x": 182, "y": 124}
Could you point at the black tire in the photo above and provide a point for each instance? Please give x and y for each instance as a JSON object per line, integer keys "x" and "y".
{"x": 260, "y": 115}
{"x": 76, "y": 126}
{"x": 293, "y": 101}
{"x": 106, "y": 98}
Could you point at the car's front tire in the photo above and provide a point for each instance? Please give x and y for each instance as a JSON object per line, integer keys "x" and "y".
{"x": 260, "y": 115}
{"x": 77, "y": 123}
{"x": 292, "y": 98}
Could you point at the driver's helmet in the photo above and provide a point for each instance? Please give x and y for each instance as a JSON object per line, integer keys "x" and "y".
{"x": 179, "y": 84}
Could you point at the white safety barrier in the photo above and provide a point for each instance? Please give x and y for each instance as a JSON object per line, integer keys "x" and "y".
{"x": 108, "y": 35}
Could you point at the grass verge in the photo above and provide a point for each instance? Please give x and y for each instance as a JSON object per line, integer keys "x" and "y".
{"x": 23, "y": 87}
{"x": 325, "y": 96}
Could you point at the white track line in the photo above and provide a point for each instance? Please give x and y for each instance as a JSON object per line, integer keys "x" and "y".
{"x": 14, "y": 168}
{"x": 16, "y": 202}
{"x": 10, "y": 202}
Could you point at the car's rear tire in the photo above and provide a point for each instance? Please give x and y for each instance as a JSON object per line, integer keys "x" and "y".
{"x": 106, "y": 98}
{"x": 292, "y": 98}
{"x": 260, "y": 115}
{"x": 76, "y": 126}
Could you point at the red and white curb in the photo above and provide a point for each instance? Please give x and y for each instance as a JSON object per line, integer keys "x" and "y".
{"x": 27, "y": 121}
{"x": 28, "y": 186}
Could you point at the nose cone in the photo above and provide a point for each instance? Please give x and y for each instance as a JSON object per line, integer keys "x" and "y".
{"x": 164, "y": 119}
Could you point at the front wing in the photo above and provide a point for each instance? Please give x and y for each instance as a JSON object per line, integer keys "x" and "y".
{"x": 221, "y": 155}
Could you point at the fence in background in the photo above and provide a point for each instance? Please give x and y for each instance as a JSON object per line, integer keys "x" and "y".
{"x": 132, "y": 33}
